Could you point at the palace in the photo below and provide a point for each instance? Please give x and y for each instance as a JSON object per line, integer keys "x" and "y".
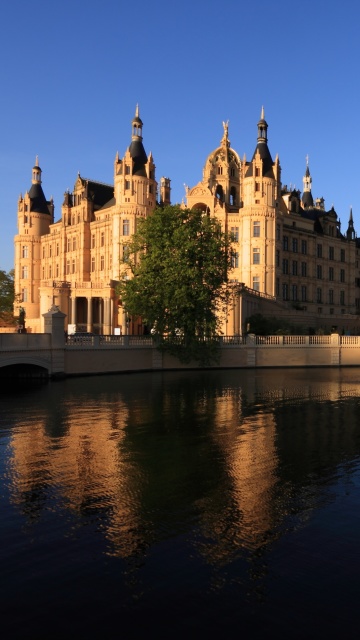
{"x": 286, "y": 247}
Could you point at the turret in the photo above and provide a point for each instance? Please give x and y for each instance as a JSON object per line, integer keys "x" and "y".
{"x": 307, "y": 199}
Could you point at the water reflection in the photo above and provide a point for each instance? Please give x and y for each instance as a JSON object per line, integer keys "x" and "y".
{"x": 225, "y": 463}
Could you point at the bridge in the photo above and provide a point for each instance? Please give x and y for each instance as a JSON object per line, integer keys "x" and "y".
{"x": 52, "y": 354}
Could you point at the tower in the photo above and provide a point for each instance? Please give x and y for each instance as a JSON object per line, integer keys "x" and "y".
{"x": 34, "y": 217}
{"x": 261, "y": 188}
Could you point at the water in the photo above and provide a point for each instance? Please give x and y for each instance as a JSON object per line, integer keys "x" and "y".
{"x": 180, "y": 504}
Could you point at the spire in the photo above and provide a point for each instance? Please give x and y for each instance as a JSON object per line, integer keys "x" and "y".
{"x": 36, "y": 172}
{"x": 307, "y": 199}
{"x": 350, "y": 234}
{"x": 136, "y": 149}
{"x": 262, "y": 127}
{"x": 137, "y": 125}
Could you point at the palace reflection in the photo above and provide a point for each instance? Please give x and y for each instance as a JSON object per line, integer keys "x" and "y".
{"x": 229, "y": 454}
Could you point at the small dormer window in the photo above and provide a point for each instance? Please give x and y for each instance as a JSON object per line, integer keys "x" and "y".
{"x": 219, "y": 171}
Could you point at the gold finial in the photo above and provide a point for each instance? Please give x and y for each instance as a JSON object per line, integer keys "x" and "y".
{"x": 262, "y": 117}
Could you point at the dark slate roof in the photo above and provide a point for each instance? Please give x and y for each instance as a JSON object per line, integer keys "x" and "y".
{"x": 307, "y": 199}
{"x": 266, "y": 158}
{"x": 111, "y": 203}
{"x": 38, "y": 201}
{"x": 137, "y": 152}
{"x": 99, "y": 192}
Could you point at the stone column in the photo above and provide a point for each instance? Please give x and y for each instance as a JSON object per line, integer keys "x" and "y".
{"x": 107, "y": 320}
{"x": 89, "y": 315}
{"x": 73, "y": 310}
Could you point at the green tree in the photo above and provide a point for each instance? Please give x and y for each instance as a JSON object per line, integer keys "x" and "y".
{"x": 179, "y": 259}
{"x": 7, "y": 291}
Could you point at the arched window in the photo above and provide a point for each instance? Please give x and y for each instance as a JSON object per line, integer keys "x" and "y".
{"x": 219, "y": 193}
{"x": 219, "y": 170}
{"x": 233, "y": 196}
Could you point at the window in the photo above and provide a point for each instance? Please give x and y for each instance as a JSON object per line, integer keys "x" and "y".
{"x": 102, "y": 263}
{"x": 278, "y": 232}
{"x": 256, "y": 255}
{"x": 331, "y": 253}
{"x": 234, "y": 259}
{"x": 50, "y": 250}
{"x": 294, "y": 268}
{"x": 331, "y": 296}
{"x": 257, "y": 186}
{"x": 319, "y": 271}
{"x": 294, "y": 294}
{"x": 342, "y": 297}
{"x": 232, "y": 172}
{"x": 68, "y": 244}
{"x": 43, "y": 272}
{"x": 319, "y": 295}
{"x": 257, "y": 172}
{"x": 234, "y": 234}
{"x": 285, "y": 266}
{"x": 285, "y": 243}
{"x": 304, "y": 247}
{"x": 127, "y": 184}
{"x": 256, "y": 283}
{"x": 74, "y": 244}
{"x": 342, "y": 275}
{"x": 50, "y": 271}
{"x": 285, "y": 290}
{"x": 127, "y": 170}
{"x": 24, "y": 295}
{"x": 25, "y": 251}
{"x": 126, "y": 252}
{"x": 319, "y": 250}
{"x": 102, "y": 239}
{"x": 232, "y": 196}
{"x": 24, "y": 273}
{"x": 126, "y": 227}
{"x": 331, "y": 273}
{"x": 303, "y": 293}
{"x": 57, "y": 270}
{"x": 67, "y": 266}
{"x": 277, "y": 258}
{"x": 219, "y": 171}
{"x": 256, "y": 229}
{"x": 93, "y": 242}
{"x": 73, "y": 266}
{"x": 342, "y": 255}
{"x": 43, "y": 252}
{"x": 295, "y": 245}
{"x": 304, "y": 269}
{"x": 93, "y": 264}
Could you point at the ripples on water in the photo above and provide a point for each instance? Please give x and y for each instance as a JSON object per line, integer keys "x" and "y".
{"x": 182, "y": 503}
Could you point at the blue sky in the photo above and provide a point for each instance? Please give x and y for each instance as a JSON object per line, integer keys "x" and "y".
{"x": 73, "y": 71}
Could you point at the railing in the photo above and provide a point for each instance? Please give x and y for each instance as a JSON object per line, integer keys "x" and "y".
{"x": 225, "y": 341}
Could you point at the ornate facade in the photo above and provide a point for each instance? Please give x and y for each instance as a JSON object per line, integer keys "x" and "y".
{"x": 285, "y": 245}
{"x": 75, "y": 262}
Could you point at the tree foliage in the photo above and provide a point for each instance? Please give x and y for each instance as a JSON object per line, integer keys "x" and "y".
{"x": 7, "y": 292}
{"x": 179, "y": 259}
